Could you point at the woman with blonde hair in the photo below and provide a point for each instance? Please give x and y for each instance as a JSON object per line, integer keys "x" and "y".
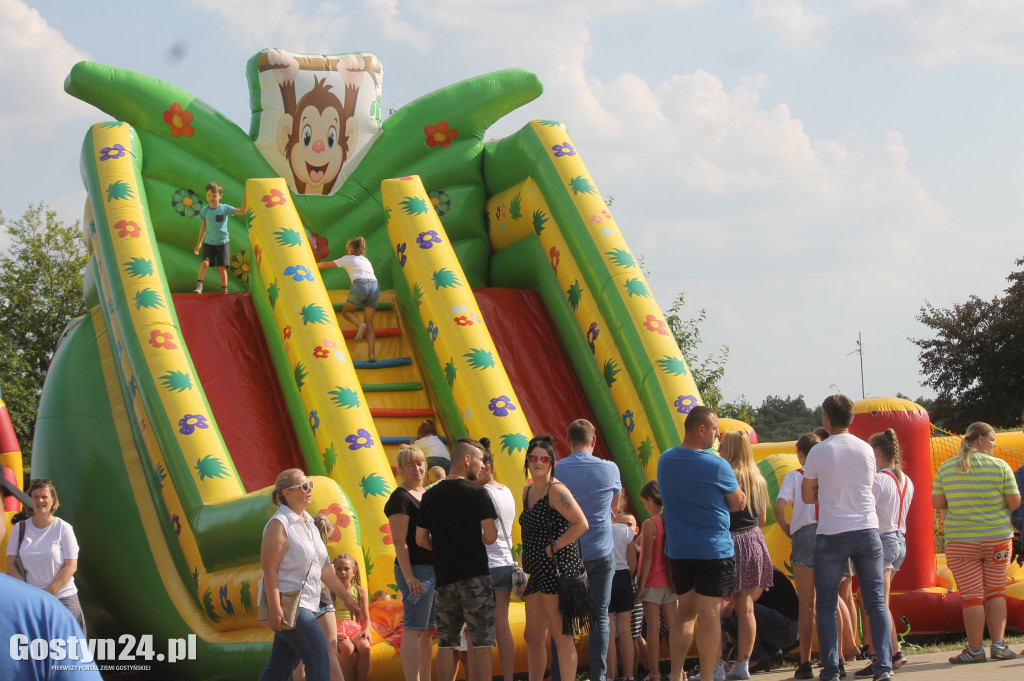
{"x": 753, "y": 564}
{"x": 414, "y": 565}
{"x": 294, "y": 557}
{"x": 978, "y": 492}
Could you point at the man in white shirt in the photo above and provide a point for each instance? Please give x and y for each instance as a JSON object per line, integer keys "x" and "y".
{"x": 839, "y": 476}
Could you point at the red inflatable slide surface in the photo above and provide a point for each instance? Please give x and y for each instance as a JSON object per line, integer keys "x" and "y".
{"x": 229, "y": 352}
{"x": 550, "y": 395}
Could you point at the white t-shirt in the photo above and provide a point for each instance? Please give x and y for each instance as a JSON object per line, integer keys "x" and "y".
{"x": 43, "y": 552}
{"x": 844, "y": 466}
{"x": 887, "y": 501}
{"x": 499, "y": 554}
{"x": 432, "y": 445}
{"x": 803, "y": 514}
{"x": 622, "y": 535}
{"x": 357, "y": 266}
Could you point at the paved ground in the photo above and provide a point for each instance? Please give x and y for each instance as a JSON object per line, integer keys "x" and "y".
{"x": 930, "y": 666}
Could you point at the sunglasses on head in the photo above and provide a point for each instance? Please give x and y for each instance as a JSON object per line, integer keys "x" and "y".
{"x": 534, "y": 458}
{"x": 305, "y": 486}
{"x": 41, "y": 481}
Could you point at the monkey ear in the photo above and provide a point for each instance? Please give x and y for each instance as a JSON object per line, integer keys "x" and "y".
{"x": 351, "y": 135}
{"x": 284, "y": 131}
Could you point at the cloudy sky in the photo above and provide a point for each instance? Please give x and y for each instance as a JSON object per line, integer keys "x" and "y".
{"x": 806, "y": 170}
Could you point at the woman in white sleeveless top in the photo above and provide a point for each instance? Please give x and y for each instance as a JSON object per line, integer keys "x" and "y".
{"x": 293, "y": 557}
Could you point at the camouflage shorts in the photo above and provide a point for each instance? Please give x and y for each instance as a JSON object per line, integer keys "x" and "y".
{"x": 470, "y": 602}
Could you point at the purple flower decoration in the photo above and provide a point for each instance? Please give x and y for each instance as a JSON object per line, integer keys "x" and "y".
{"x": 427, "y": 239}
{"x": 189, "y": 422}
{"x": 176, "y": 521}
{"x": 563, "y": 149}
{"x": 432, "y": 331}
{"x": 314, "y": 420}
{"x": 592, "y": 333}
{"x": 684, "y": 403}
{"x": 627, "y": 420}
{"x": 400, "y": 250}
{"x": 361, "y": 439}
{"x": 298, "y": 273}
{"x": 114, "y": 152}
{"x": 501, "y": 406}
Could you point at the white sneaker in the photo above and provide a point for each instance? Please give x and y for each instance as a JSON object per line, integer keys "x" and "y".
{"x": 717, "y": 675}
{"x": 360, "y": 332}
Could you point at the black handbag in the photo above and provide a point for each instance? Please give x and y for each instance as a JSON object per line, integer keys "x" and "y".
{"x": 575, "y": 603}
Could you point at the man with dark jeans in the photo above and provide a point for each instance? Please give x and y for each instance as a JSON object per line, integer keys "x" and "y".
{"x": 839, "y": 476}
{"x": 595, "y": 484}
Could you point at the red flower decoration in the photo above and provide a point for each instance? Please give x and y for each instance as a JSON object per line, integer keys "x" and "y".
{"x": 439, "y": 135}
{"x": 320, "y": 352}
{"x": 127, "y": 228}
{"x": 286, "y": 332}
{"x": 464, "y": 321}
{"x": 179, "y": 120}
{"x": 555, "y": 255}
{"x": 341, "y": 520}
{"x": 162, "y": 339}
{"x": 274, "y": 198}
{"x": 656, "y": 324}
{"x": 258, "y": 250}
{"x": 386, "y": 529}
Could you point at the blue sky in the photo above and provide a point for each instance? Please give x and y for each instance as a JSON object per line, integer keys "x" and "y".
{"x": 803, "y": 169}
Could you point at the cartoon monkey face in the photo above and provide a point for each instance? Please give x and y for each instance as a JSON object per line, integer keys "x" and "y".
{"x": 317, "y": 154}
{"x": 316, "y": 139}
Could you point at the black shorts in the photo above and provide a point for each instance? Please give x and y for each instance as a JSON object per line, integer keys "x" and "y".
{"x": 622, "y": 592}
{"x": 218, "y": 255}
{"x": 713, "y": 578}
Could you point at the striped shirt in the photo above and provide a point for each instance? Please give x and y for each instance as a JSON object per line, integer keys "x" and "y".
{"x": 977, "y": 510}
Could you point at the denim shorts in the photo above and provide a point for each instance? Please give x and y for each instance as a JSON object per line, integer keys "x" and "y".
{"x": 894, "y": 550}
{"x": 364, "y": 292}
{"x": 501, "y": 578}
{"x": 803, "y": 546}
{"x": 422, "y": 614}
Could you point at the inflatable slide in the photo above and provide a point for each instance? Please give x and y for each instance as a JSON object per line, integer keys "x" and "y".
{"x": 512, "y": 305}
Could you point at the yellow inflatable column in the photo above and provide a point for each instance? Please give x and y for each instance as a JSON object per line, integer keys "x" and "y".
{"x": 478, "y": 381}
{"x": 350, "y": 450}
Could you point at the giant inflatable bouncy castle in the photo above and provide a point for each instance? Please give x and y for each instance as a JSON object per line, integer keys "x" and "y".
{"x": 511, "y": 305}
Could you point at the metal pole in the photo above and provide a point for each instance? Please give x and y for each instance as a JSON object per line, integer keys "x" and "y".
{"x": 860, "y": 351}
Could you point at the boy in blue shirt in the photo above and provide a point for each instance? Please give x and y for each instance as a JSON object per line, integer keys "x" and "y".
{"x": 213, "y": 236}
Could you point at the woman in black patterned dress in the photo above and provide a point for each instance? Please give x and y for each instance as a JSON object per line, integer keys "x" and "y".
{"x": 551, "y": 522}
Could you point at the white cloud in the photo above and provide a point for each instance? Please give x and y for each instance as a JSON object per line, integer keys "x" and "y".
{"x": 36, "y": 59}
{"x": 936, "y": 33}
{"x": 794, "y": 23}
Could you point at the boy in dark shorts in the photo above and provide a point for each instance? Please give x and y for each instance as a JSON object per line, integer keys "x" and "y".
{"x": 213, "y": 236}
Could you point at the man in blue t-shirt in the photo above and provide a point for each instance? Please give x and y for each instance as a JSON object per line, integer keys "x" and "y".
{"x": 595, "y": 484}
{"x": 698, "y": 490}
{"x": 31, "y": 614}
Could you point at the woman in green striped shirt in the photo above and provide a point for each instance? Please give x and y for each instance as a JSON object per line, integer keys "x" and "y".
{"x": 978, "y": 491}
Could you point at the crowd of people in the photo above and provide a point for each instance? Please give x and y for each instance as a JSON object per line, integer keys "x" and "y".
{"x": 700, "y": 557}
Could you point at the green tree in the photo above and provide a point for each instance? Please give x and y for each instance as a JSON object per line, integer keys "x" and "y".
{"x": 40, "y": 293}
{"x": 975, "y": 362}
{"x": 707, "y": 370}
{"x": 780, "y": 419}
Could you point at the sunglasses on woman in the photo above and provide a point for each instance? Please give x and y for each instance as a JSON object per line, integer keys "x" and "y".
{"x": 534, "y": 458}
{"x": 305, "y": 486}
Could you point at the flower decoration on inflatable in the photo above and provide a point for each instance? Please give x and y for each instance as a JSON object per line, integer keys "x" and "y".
{"x": 274, "y": 198}
{"x": 127, "y": 228}
{"x": 628, "y": 421}
{"x": 361, "y": 439}
{"x": 501, "y": 405}
{"x": 189, "y": 422}
{"x": 684, "y": 403}
{"x": 114, "y": 152}
{"x": 400, "y": 252}
{"x": 427, "y": 239}
{"x": 298, "y": 273}
{"x": 656, "y": 324}
{"x": 592, "y": 333}
{"x": 441, "y": 201}
{"x": 179, "y": 120}
{"x": 240, "y": 265}
{"x": 563, "y": 149}
{"x": 440, "y": 135}
{"x": 186, "y": 203}
{"x": 163, "y": 340}
{"x": 314, "y": 420}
